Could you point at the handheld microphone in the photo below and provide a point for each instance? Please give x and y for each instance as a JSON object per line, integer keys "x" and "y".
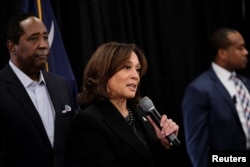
{"x": 147, "y": 105}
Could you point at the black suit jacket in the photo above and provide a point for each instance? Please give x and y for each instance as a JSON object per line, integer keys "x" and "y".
{"x": 101, "y": 137}
{"x": 23, "y": 139}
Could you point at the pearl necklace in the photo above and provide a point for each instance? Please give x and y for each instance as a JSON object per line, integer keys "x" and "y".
{"x": 131, "y": 117}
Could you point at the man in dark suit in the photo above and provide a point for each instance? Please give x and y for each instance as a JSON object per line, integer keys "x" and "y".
{"x": 213, "y": 116}
{"x": 36, "y": 107}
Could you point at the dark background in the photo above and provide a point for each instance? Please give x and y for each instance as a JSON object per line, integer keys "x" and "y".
{"x": 172, "y": 33}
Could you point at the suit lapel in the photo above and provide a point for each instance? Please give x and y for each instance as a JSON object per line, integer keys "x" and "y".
{"x": 119, "y": 126}
{"x": 54, "y": 93}
{"x": 59, "y": 100}
{"x": 225, "y": 95}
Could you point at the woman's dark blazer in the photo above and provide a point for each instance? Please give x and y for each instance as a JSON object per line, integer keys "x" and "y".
{"x": 101, "y": 137}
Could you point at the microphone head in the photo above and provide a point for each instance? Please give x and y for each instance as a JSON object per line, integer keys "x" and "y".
{"x": 146, "y": 104}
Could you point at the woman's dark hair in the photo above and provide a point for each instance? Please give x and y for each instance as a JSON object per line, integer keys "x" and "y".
{"x": 108, "y": 59}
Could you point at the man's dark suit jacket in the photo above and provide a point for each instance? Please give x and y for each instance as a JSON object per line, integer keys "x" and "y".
{"x": 211, "y": 121}
{"x": 23, "y": 139}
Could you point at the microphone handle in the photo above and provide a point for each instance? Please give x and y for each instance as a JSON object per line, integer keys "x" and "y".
{"x": 174, "y": 140}
{"x": 171, "y": 138}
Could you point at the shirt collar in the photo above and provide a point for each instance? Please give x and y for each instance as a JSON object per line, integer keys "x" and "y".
{"x": 25, "y": 79}
{"x": 221, "y": 72}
